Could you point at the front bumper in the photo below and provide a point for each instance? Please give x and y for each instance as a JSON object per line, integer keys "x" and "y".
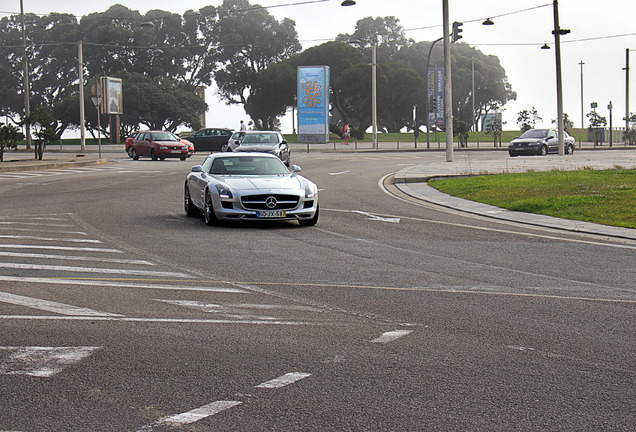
{"x": 233, "y": 209}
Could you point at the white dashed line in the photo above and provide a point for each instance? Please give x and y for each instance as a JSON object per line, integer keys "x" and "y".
{"x": 391, "y": 336}
{"x": 284, "y": 380}
{"x": 51, "y": 306}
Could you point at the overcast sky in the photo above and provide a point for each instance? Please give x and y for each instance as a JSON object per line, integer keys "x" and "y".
{"x": 600, "y": 34}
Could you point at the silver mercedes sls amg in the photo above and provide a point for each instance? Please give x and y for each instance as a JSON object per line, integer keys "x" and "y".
{"x": 249, "y": 186}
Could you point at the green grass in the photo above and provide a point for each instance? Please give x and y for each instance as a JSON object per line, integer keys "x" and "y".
{"x": 606, "y": 197}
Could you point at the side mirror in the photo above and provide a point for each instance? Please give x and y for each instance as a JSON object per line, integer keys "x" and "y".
{"x": 197, "y": 168}
{"x": 295, "y": 169}
{"x": 284, "y": 142}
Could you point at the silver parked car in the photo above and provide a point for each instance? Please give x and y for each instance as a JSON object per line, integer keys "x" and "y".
{"x": 249, "y": 186}
{"x": 266, "y": 142}
{"x": 540, "y": 142}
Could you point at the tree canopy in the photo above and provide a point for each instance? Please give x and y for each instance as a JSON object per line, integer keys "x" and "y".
{"x": 164, "y": 58}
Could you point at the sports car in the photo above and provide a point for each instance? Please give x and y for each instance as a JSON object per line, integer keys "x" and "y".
{"x": 249, "y": 186}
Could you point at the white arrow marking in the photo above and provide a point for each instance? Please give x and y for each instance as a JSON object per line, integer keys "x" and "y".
{"x": 379, "y": 218}
{"x": 391, "y": 336}
{"x": 339, "y": 173}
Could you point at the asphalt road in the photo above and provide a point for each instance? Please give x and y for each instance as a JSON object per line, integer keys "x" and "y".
{"x": 119, "y": 313}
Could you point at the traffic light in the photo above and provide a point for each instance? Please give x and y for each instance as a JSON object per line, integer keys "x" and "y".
{"x": 433, "y": 104}
{"x": 456, "y": 31}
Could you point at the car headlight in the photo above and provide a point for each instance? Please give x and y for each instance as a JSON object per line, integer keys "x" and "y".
{"x": 163, "y": 147}
{"x": 310, "y": 191}
{"x": 223, "y": 191}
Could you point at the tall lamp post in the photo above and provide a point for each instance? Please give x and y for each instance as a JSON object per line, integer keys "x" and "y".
{"x": 25, "y": 64}
{"x": 448, "y": 88}
{"x": 557, "y": 45}
{"x": 582, "y": 116}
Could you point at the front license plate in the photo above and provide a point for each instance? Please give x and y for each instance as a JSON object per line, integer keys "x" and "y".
{"x": 270, "y": 214}
{"x": 175, "y": 151}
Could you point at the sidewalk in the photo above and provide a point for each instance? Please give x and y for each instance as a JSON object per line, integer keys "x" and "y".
{"x": 411, "y": 180}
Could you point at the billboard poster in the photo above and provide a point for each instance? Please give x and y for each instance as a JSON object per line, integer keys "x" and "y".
{"x": 313, "y": 104}
{"x": 436, "y": 96}
{"x": 113, "y": 96}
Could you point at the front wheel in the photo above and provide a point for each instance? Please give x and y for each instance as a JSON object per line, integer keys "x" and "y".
{"x": 310, "y": 222}
{"x": 569, "y": 149}
{"x": 544, "y": 150}
{"x": 208, "y": 213}
{"x": 133, "y": 154}
{"x": 153, "y": 155}
{"x": 188, "y": 205}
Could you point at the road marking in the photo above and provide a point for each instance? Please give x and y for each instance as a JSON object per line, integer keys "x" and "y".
{"x": 284, "y": 380}
{"x": 223, "y": 310}
{"x": 202, "y": 412}
{"x": 391, "y": 336}
{"x": 158, "y": 320}
{"x": 49, "y": 239}
{"x": 379, "y": 218}
{"x": 51, "y": 306}
{"x": 99, "y": 283}
{"x": 92, "y": 270}
{"x": 76, "y": 258}
{"x": 42, "y": 362}
{"x": 338, "y": 173}
{"x": 66, "y": 248}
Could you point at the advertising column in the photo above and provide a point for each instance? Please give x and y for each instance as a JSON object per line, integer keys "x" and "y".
{"x": 313, "y": 104}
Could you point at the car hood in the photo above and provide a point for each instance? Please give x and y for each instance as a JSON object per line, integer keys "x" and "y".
{"x": 287, "y": 182}
{"x": 527, "y": 140}
{"x": 266, "y": 148}
{"x": 169, "y": 143}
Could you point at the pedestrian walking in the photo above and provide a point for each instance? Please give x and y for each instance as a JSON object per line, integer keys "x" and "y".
{"x": 243, "y": 127}
{"x": 346, "y": 133}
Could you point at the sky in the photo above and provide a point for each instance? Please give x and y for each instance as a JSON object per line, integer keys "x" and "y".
{"x": 601, "y": 32}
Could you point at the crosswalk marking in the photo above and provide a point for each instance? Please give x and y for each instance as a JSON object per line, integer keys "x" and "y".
{"x": 93, "y": 270}
{"x": 50, "y": 306}
{"x": 42, "y": 362}
{"x": 65, "y": 248}
{"x": 75, "y": 258}
{"x": 38, "y": 238}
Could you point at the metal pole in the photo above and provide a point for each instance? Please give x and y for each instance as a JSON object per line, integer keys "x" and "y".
{"x": 609, "y": 107}
{"x": 25, "y": 66}
{"x": 627, "y": 96}
{"x": 428, "y": 108}
{"x": 473, "y": 116}
{"x": 374, "y": 95}
{"x": 582, "y": 116}
{"x": 448, "y": 88}
{"x": 557, "y": 45}
{"x": 81, "y": 96}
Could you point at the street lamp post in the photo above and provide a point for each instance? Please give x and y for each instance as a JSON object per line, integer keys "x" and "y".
{"x": 428, "y": 108}
{"x": 557, "y": 45}
{"x": 25, "y": 65}
{"x": 582, "y": 116}
{"x": 81, "y": 96}
{"x": 448, "y": 88}
{"x": 374, "y": 95}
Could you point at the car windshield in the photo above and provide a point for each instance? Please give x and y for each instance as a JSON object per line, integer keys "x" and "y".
{"x": 535, "y": 133}
{"x": 260, "y": 138}
{"x": 251, "y": 165}
{"x": 164, "y": 136}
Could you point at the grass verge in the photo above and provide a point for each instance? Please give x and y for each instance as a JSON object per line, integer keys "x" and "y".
{"x": 605, "y": 197}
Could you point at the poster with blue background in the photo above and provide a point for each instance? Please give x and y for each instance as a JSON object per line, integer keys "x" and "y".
{"x": 313, "y": 104}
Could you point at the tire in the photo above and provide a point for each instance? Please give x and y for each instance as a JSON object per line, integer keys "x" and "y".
{"x": 569, "y": 149}
{"x": 544, "y": 150}
{"x": 162, "y": 158}
{"x": 512, "y": 154}
{"x": 183, "y": 158}
{"x": 188, "y": 205}
{"x": 133, "y": 154}
{"x": 310, "y": 222}
{"x": 153, "y": 155}
{"x": 208, "y": 211}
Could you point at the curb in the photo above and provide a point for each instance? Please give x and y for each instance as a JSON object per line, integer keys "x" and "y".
{"x": 23, "y": 165}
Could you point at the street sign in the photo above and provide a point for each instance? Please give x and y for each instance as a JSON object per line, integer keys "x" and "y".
{"x": 96, "y": 101}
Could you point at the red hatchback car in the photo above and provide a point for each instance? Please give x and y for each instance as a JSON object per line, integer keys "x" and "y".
{"x": 157, "y": 145}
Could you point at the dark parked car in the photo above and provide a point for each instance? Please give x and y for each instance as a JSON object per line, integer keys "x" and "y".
{"x": 266, "y": 142}
{"x": 210, "y": 139}
{"x": 540, "y": 142}
{"x": 157, "y": 145}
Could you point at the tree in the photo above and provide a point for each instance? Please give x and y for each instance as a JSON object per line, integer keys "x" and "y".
{"x": 567, "y": 122}
{"x": 43, "y": 124}
{"x": 461, "y": 130}
{"x": 386, "y": 32}
{"x": 528, "y": 119}
{"x": 597, "y": 123}
{"x": 249, "y": 40}
{"x": 9, "y": 137}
